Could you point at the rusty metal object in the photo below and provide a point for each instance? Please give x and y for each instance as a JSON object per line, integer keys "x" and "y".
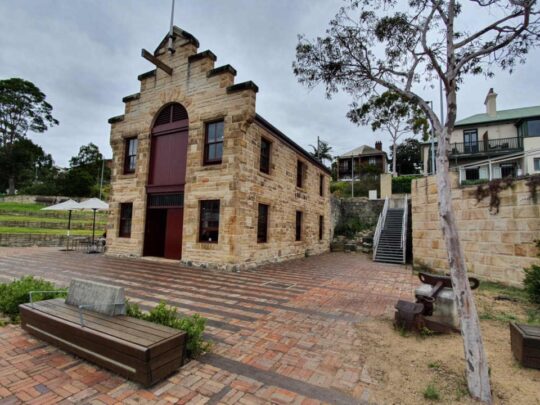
{"x": 411, "y": 315}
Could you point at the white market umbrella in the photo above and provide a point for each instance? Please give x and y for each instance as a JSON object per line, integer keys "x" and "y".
{"x": 94, "y": 204}
{"x": 68, "y": 205}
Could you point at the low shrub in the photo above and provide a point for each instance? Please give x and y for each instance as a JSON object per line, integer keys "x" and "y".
{"x": 166, "y": 315}
{"x": 402, "y": 184}
{"x": 531, "y": 283}
{"x": 17, "y": 292}
{"x": 362, "y": 185}
{"x": 351, "y": 226}
{"x": 432, "y": 393}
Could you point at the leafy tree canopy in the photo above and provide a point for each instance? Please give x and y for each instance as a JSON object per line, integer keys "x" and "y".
{"x": 392, "y": 112}
{"x": 409, "y": 157}
{"x": 28, "y": 161}
{"x": 321, "y": 152}
{"x": 22, "y": 108}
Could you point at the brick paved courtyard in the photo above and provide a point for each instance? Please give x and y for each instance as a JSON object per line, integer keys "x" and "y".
{"x": 271, "y": 345}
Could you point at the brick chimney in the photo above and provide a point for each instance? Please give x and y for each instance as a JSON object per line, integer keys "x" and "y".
{"x": 491, "y": 103}
{"x": 378, "y": 145}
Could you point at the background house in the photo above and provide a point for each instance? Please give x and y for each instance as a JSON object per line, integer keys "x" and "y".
{"x": 366, "y": 160}
{"x": 494, "y": 144}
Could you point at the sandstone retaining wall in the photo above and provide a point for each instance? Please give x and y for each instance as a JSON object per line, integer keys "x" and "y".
{"x": 26, "y": 240}
{"x": 497, "y": 246}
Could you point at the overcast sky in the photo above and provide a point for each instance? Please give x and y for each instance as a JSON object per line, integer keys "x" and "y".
{"x": 85, "y": 56}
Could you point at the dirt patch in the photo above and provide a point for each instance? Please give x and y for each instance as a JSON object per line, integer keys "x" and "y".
{"x": 403, "y": 367}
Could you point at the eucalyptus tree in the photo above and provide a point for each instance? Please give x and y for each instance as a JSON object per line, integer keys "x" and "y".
{"x": 394, "y": 114}
{"x": 22, "y": 108}
{"x": 404, "y": 47}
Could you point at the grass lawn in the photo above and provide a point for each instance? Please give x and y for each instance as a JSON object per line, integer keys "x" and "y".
{"x": 74, "y": 219}
{"x": 44, "y": 231}
{"x": 20, "y": 207}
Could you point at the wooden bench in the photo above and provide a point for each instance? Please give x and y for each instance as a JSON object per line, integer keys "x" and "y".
{"x": 141, "y": 351}
{"x": 525, "y": 342}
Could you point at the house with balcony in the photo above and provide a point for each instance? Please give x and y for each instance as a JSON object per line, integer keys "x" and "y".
{"x": 364, "y": 159}
{"x": 494, "y": 144}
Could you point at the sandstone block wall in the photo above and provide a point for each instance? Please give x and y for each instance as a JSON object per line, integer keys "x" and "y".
{"x": 27, "y": 240}
{"x": 361, "y": 208}
{"x": 497, "y": 246}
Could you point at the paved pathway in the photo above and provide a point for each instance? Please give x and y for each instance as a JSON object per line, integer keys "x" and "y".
{"x": 283, "y": 333}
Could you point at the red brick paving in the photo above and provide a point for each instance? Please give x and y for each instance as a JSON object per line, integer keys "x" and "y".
{"x": 293, "y": 346}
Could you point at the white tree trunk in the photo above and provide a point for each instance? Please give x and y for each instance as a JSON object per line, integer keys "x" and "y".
{"x": 394, "y": 160}
{"x": 477, "y": 369}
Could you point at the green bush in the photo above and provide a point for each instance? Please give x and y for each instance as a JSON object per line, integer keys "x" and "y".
{"x": 402, "y": 184}
{"x": 167, "y": 315}
{"x": 350, "y": 227}
{"x": 432, "y": 393}
{"x": 532, "y": 283}
{"x": 361, "y": 186}
{"x": 17, "y": 292}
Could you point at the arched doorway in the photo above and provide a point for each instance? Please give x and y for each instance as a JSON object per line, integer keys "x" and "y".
{"x": 166, "y": 180}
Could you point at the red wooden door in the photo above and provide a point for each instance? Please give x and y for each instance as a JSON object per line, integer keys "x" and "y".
{"x": 173, "y": 234}
{"x": 154, "y": 235}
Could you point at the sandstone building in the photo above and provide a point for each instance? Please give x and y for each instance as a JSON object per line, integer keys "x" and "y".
{"x": 199, "y": 176}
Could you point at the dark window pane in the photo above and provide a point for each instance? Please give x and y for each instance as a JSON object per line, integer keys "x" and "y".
{"x": 130, "y": 158}
{"x": 211, "y": 133}
{"x": 213, "y": 147}
{"x": 265, "y": 156}
{"x": 219, "y": 131}
{"x": 472, "y": 174}
{"x": 298, "y": 225}
{"x": 209, "y": 221}
{"x": 321, "y": 185}
{"x": 321, "y": 227}
{"x": 126, "y": 212}
{"x": 211, "y": 152}
{"x": 533, "y": 128}
{"x": 262, "y": 224}
{"x": 299, "y": 174}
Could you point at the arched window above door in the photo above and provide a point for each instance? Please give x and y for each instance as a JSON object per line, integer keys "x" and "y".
{"x": 172, "y": 116}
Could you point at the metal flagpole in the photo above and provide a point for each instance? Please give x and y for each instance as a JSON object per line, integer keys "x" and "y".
{"x": 352, "y": 181}
{"x": 171, "y": 49}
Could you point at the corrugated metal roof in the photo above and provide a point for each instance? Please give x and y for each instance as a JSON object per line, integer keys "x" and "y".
{"x": 362, "y": 150}
{"x": 514, "y": 114}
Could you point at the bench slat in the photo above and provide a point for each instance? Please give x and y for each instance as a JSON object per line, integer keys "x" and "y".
{"x": 103, "y": 327}
{"x": 112, "y": 326}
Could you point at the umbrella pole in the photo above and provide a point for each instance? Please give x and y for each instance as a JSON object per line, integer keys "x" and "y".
{"x": 68, "y": 231}
{"x": 93, "y": 228}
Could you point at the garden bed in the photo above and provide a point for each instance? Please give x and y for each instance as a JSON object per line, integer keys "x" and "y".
{"x": 406, "y": 368}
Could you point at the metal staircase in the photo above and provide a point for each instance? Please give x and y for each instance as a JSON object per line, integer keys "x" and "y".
{"x": 390, "y": 240}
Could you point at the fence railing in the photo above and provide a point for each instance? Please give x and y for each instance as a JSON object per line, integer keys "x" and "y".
{"x": 404, "y": 228}
{"x": 501, "y": 145}
{"x": 380, "y": 226}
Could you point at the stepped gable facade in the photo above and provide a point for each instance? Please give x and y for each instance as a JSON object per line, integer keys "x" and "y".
{"x": 199, "y": 176}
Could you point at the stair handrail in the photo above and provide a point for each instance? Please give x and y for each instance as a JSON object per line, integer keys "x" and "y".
{"x": 404, "y": 228}
{"x": 380, "y": 226}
